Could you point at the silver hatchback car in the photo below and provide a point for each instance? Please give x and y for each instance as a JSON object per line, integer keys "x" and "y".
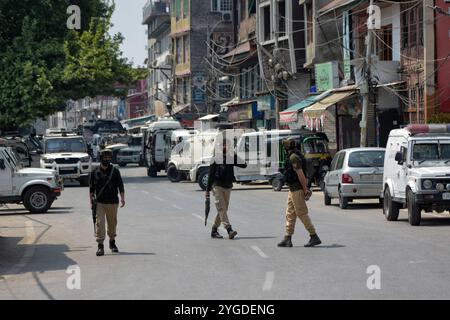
{"x": 355, "y": 174}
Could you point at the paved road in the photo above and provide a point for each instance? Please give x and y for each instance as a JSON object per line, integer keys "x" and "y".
{"x": 166, "y": 251}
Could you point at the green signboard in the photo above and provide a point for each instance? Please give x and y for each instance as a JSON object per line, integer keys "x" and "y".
{"x": 327, "y": 76}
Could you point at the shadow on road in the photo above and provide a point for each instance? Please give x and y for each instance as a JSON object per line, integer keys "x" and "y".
{"x": 361, "y": 206}
{"x": 252, "y": 238}
{"x": 143, "y": 179}
{"x": 21, "y": 212}
{"x": 331, "y": 246}
{"x": 431, "y": 221}
{"x": 24, "y": 258}
{"x": 124, "y": 253}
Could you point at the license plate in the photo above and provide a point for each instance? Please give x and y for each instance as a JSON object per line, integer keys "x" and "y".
{"x": 370, "y": 177}
{"x": 446, "y": 196}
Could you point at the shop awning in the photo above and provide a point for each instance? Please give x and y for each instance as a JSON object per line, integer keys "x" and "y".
{"x": 318, "y": 108}
{"x": 291, "y": 114}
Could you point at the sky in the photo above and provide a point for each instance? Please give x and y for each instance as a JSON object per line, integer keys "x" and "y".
{"x": 127, "y": 19}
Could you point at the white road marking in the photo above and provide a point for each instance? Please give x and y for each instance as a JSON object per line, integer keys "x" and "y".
{"x": 146, "y": 192}
{"x": 260, "y": 252}
{"x": 177, "y": 207}
{"x": 197, "y": 216}
{"x": 269, "y": 281}
{"x": 158, "y": 198}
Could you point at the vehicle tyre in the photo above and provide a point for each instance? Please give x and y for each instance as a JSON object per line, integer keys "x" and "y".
{"x": 343, "y": 201}
{"x": 203, "y": 178}
{"x": 391, "y": 209}
{"x": 84, "y": 181}
{"x": 173, "y": 174}
{"x": 326, "y": 197}
{"x": 37, "y": 199}
{"x": 414, "y": 210}
{"x": 122, "y": 164}
{"x": 277, "y": 184}
{"x": 152, "y": 172}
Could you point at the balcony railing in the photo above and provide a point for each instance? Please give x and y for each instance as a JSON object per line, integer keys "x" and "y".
{"x": 153, "y": 8}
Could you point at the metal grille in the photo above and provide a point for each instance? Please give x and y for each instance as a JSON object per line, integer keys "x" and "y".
{"x": 67, "y": 160}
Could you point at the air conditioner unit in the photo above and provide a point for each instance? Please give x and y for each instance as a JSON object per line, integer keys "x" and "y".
{"x": 226, "y": 17}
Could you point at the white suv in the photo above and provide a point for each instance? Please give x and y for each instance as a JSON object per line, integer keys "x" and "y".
{"x": 68, "y": 155}
{"x": 416, "y": 171}
{"x": 35, "y": 188}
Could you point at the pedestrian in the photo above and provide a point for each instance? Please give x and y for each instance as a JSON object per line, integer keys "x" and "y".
{"x": 105, "y": 183}
{"x": 220, "y": 180}
{"x": 299, "y": 193}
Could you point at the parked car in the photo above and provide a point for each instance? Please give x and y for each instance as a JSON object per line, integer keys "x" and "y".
{"x": 417, "y": 171}
{"x": 131, "y": 154}
{"x": 355, "y": 174}
{"x": 35, "y": 188}
{"x": 68, "y": 155}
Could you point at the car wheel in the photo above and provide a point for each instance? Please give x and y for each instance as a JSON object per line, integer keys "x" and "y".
{"x": 414, "y": 210}
{"x": 326, "y": 197}
{"x": 391, "y": 209}
{"x": 277, "y": 184}
{"x": 203, "y": 179}
{"x": 343, "y": 201}
{"x": 37, "y": 199}
{"x": 173, "y": 174}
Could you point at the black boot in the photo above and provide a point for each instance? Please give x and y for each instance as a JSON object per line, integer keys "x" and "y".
{"x": 314, "y": 241}
{"x": 215, "y": 234}
{"x": 113, "y": 247}
{"x": 101, "y": 250}
{"x": 231, "y": 233}
{"x": 287, "y": 242}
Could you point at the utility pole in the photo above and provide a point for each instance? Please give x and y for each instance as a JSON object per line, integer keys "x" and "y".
{"x": 276, "y": 87}
{"x": 365, "y": 87}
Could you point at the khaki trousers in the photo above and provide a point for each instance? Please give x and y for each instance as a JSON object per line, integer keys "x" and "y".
{"x": 222, "y": 202}
{"x": 106, "y": 213}
{"x": 296, "y": 207}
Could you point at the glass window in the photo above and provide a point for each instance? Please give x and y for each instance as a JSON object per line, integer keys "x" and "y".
{"x": 425, "y": 151}
{"x": 226, "y": 5}
{"x": 340, "y": 161}
{"x": 366, "y": 159}
{"x": 65, "y": 145}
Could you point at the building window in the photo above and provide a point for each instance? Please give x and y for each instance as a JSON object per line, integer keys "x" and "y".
{"x": 186, "y": 46}
{"x": 281, "y": 18}
{"x": 249, "y": 82}
{"x": 225, "y": 90}
{"x": 221, "y": 5}
{"x": 309, "y": 24}
{"x": 181, "y": 9}
{"x": 179, "y": 50}
{"x": 251, "y": 7}
{"x": 265, "y": 23}
{"x": 384, "y": 43}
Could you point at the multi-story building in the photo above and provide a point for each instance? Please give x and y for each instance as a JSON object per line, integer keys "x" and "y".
{"x": 281, "y": 50}
{"x": 195, "y": 25}
{"x": 443, "y": 53}
{"x": 137, "y": 100}
{"x": 156, "y": 15}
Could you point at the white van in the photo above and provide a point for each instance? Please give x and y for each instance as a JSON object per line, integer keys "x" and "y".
{"x": 158, "y": 144}
{"x": 416, "y": 171}
{"x": 262, "y": 153}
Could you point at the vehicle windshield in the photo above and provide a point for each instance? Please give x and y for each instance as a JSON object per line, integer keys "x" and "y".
{"x": 431, "y": 151}
{"x": 315, "y": 145}
{"x": 65, "y": 145}
{"x": 136, "y": 141}
{"x": 366, "y": 159}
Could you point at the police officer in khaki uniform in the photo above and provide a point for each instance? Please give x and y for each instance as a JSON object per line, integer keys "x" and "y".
{"x": 298, "y": 195}
{"x": 105, "y": 185}
{"x": 220, "y": 180}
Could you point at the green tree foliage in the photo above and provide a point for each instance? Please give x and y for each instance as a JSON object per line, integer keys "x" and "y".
{"x": 43, "y": 63}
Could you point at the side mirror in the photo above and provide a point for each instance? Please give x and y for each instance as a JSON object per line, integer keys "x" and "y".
{"x": 2, "y": 164}
{"x": 399, "y": 157}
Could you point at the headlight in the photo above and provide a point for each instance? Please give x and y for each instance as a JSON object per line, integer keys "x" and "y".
{"x": 427, "y": 184}
{"x": 85, "y": 159}
{"x": 48, "y": 161}
{"x": 440, "y": 187}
